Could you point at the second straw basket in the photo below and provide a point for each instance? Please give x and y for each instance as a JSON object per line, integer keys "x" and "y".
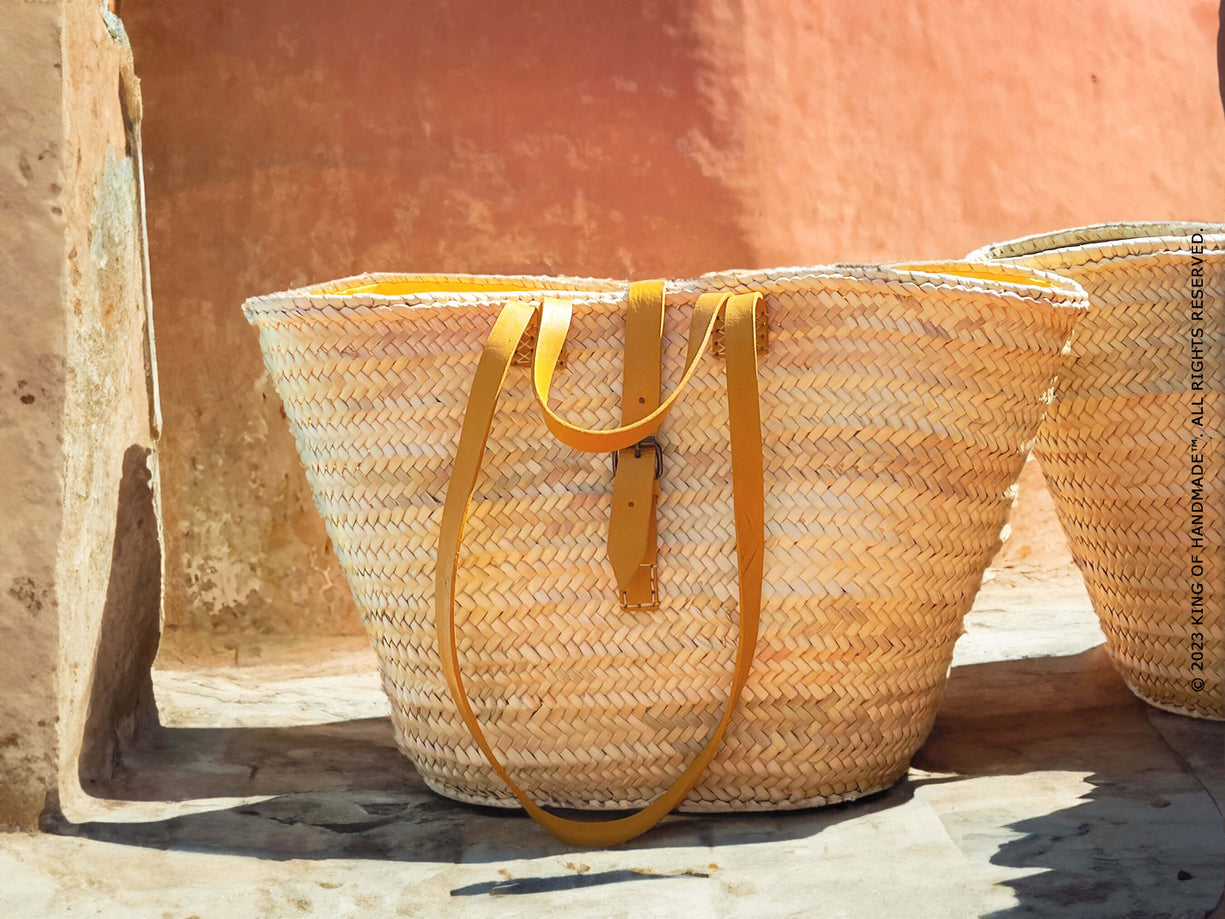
{"x": 1133, "y": 449}
{"x": 743, "y": 596}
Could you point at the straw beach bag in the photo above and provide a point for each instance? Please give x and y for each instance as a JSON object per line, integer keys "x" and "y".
{"x": 742, "y": 596}
{"x": 1132, "y": 451}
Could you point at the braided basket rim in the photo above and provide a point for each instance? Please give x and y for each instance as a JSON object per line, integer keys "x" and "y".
{"x": 1076, "y": 246}
{"x": 1049, "y": 288}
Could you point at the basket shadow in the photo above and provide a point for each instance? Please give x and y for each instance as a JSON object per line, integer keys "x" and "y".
{"x": 343, "y": 790}
{"x": 1146, "y": 839}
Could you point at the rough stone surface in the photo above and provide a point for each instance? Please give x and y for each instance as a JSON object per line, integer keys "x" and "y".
{"x": 79, "y": 542}
{"x": 298, "y": 140}
{"x": 1045, "y": 790}
{"x": 31, "y": 395}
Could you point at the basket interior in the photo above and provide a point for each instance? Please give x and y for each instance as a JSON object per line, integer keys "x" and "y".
{"x": 977, "y": 272}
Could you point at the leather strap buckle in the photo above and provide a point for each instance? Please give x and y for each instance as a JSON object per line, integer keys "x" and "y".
{"x": 648, "y": 442}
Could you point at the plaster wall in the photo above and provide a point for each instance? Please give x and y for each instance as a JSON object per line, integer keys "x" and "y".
{"x": 290, "y": 141}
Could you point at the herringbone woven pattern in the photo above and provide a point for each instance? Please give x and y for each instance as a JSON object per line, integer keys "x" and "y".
{"x": 897, "y": 409}
{"x": 1118, "y": 449}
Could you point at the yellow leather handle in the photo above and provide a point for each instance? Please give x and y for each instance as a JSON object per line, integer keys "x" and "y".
{"x": 745, "y": 429}
{"x": 555, "y": 323}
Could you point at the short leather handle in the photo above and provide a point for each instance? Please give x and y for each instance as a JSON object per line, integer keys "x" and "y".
{"x": 745, "y": 429}
{"x": 555, "y": 324}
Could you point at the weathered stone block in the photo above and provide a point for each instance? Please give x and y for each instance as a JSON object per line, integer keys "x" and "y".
{"x": 80, "y": 560}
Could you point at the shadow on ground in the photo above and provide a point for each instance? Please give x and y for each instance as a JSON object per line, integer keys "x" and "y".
{"x": 344, "y": 791}
{"x": 1146, "y": 841}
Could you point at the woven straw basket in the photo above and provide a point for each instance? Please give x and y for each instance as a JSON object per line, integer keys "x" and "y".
{"x": 896, "y": 408}
{"x": 1132, "y": 451}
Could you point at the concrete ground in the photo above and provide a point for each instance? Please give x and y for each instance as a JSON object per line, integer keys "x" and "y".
{"x": 1045, "y": 790}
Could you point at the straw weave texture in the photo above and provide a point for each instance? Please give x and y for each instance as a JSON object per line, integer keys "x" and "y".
{"x": 897, "y": 409}
{"x": 1118, "y": 449}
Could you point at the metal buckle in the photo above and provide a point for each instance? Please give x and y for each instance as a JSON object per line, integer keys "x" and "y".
{"x": 648, "y": 441}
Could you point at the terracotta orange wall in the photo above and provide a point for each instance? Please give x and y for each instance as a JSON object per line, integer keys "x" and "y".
{"x": 882, "y": 129}
{"x": 288, "y": 141}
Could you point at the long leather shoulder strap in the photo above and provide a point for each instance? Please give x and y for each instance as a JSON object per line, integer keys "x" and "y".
{"x": 745, "y": 430}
